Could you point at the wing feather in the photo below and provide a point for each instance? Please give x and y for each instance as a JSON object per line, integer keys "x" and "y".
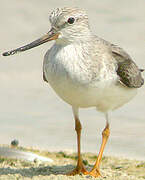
{"x": 127, "y": 70}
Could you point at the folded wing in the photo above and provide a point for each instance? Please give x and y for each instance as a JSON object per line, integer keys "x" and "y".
{"x": 129, "y": 73}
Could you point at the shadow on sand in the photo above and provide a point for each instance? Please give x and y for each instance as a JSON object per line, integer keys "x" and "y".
{"x": 36, "y": 171}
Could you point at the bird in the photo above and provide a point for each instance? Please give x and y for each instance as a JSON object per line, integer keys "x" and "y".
{"x": 86, "y": 71}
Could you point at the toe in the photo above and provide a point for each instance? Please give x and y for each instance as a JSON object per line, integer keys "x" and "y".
{"x": 95, "y": 173}
{"x": 78, "y": 170}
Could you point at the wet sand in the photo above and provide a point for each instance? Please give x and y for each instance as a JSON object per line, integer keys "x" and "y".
{"x": 29, "y": 109}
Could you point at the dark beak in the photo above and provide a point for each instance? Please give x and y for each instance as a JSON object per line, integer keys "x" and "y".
{"x": 51, "y": 35}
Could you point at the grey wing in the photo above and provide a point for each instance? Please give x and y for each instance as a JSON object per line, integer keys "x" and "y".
{"x": 44, "y": 64}
{"x": 127, "y": 70}
{"x": 44, "y": 78}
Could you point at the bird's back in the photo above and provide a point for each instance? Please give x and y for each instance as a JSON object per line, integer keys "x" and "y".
{"x": 128, "y": 72}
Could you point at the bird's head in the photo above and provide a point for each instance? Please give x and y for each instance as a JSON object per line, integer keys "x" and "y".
{"x": 67, "y": 25}
{"x": 70, "y": 23}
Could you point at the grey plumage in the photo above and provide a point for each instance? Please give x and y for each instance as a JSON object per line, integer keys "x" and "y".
{"x": 128, "y": 71}
{"x": 44, "y": 78}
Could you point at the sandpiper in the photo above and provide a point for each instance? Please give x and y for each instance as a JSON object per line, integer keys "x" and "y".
{"x": 86, "y": 71}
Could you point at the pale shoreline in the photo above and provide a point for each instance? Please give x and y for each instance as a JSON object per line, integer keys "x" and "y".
{"x": 112, "y": 168}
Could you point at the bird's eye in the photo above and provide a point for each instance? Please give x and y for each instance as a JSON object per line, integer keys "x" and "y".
{"x": 71, "y": 20}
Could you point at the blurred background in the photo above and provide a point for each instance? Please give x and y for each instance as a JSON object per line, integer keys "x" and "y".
{"x": 31, "y": 112}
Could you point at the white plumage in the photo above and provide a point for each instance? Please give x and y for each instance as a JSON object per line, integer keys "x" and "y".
{"x": 69, "y": 75}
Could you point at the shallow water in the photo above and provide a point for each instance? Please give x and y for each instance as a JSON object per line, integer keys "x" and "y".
{"x": 29, "y": 109}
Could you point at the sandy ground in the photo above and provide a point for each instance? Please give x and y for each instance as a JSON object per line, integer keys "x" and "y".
{"x": 111, "y": 168}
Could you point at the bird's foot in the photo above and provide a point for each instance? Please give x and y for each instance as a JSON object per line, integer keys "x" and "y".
{"x": 78, "y": 170}
{"x": 81, "y": 169}
{"x": 95, "y": 173}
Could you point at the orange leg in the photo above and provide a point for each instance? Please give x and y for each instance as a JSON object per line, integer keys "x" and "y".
{"x": 80, "y": 167}
{"x": 105, "y": 134}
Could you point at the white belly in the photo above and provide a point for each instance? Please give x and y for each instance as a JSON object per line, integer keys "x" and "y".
{"x": 104, "y": 100}
{"x": 73, "y": 84}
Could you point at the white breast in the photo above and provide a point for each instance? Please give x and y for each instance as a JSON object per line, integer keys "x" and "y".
{"x": 70, "y": 77}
